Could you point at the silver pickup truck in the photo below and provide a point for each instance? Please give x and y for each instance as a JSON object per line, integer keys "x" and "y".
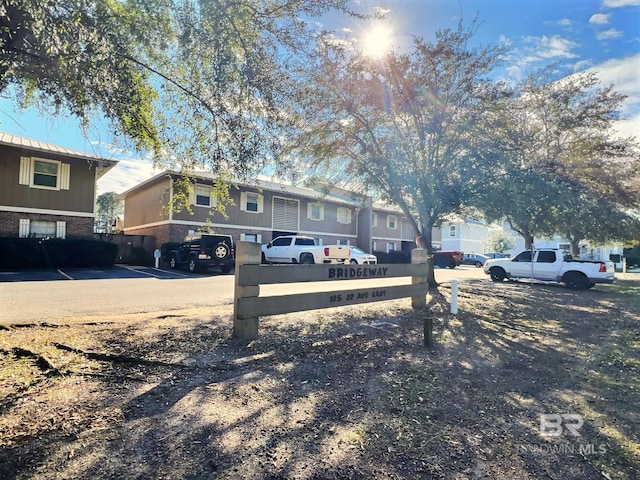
{"x": 550, "y": 265}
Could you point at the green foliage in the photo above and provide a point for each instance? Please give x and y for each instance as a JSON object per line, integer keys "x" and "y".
{"x": 73, "y": 56}
{"x": 401, "y": 127}
{"x": 109, "y": 208}
{"x": 498, "y": 241}
{"x": 226, "y": 81}
{"x": 555, "y": 167}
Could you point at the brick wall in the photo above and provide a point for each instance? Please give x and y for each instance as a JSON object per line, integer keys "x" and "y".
{"x": 76, "y": 226}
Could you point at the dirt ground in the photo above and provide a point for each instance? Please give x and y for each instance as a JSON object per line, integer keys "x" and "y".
{"x": 348, "y": 393}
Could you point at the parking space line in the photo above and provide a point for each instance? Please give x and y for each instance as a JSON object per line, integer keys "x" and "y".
{"x": 139, "y": 271}
{"x": 149, "y": 273}
{"x": 69, "y": 277}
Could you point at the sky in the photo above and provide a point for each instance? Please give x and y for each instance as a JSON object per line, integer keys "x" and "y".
{"x": 602, "y": 36}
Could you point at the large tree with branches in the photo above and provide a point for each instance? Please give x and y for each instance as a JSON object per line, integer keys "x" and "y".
{"x": 403, "y": 127}
{"x": 560, "y": 165}
{"x": 204, "y": 84}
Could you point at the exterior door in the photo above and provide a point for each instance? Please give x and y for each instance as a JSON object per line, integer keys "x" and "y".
{"x": 521, "y": 265}
{"x": 545, "y": 266}
{"x": 279, "y": 250}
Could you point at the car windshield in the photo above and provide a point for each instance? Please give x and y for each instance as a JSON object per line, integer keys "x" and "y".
{"x": 357, "y": 250}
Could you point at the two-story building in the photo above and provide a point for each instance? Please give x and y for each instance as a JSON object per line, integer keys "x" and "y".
{"x": 47, "y": 190}
{"x": 257, "y": 212}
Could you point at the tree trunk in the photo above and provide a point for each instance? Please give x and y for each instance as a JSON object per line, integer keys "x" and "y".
{"x": 425, "y": 241}
{"x": 575, "y": 247}
{"x": 528, "y": 240}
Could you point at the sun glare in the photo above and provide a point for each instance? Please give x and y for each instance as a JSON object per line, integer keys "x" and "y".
{"x": 377, "y": 41}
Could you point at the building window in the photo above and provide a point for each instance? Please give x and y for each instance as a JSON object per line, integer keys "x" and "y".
{"x": 42, "y": 229}
{"x": 251, "y": 237}
{"x": 41, "y": 173}
{"x": 251, "y": 202}
{"x": 45, "y": 173}
{"x": 391, "y": 247}
{"x": 392, "y": 222}
{"x": 374, "y": 219}
{"x": 452, "y": 230}
{"x": 315, "y": 211}
{"x": 346, "y": 243}
{"x": 203, "y": 196}
{"x": 344, "y": 215}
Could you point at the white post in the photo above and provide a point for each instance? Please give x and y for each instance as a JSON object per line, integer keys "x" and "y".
{"x": 156, "y": 256}
{"x": 454, "y": 297}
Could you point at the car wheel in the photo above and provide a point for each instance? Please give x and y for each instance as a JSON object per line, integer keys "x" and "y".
{"x": 576, "y": 281}
{"x": 353, "y": 261}
{"x": 221, "y": 251}
{"x": 173, "y": 263}
{"x": 193, "y": 265}
{"x": 306, "y": 259}
{"x": 497, "y": 274}
{"x": 478, "y": 264}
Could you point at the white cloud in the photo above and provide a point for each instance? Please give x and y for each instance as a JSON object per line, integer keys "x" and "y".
{"x": 382, "y": 11}
{"x": 582, "y": 65}
{"x": 609, "y": 34}
{"x": 623, "y": 75}
{"x": 125, "y": 175}
{"x": 563, "y": 22}
{"x": 620, "y": 3}
{"x": 553, "y": 47}
{"x": 599, "y": 19}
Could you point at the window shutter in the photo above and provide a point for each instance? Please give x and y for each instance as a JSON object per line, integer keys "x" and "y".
{"x": 286, "y": 214}
{"x": 242, "y": 236}
{"x": 310, "y": 210}
{"x": 24, "y": 228}
{"x": 61, "y": 229}
{"x": 260, "y": 203}
{"x": 243, "y": 201}
{"x": 25, "y": 171}
{"x": 259, "y": 238}
{"x": 192, "y": 194}
{"x": 65, "y": 175}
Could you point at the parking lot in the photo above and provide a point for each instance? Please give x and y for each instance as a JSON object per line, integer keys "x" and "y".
{"x": 73, "y": 295}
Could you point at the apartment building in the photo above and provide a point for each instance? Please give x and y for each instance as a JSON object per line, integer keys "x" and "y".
{"x": 47, "y": 190}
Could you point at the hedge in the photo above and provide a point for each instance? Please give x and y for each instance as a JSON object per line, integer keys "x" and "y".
{"x": 27, "y": 253}
{"x": 393, "y": 257}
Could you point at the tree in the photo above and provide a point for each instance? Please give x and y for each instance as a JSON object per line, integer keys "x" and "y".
{"x": 401, "y": 127}
{"x": 498, "y": 241}
{"x": 203, "y": 84}
{"x": 72, "y": 56}
{"x": 559, "y": 161}
{"x": 109, "y": 208}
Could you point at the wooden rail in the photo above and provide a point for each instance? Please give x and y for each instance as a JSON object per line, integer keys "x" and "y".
{"x": 249, "y": 306}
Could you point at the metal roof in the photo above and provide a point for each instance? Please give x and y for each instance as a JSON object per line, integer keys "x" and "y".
{"x": 273, "y": 187}
{"x": 36, "y": 145}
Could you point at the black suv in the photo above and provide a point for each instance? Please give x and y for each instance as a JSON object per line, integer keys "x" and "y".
{"x": 201, "y": 251}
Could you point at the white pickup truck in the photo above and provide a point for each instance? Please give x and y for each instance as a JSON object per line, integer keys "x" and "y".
{"x": 299, "y": 249}
{"x": 550, "y": 265}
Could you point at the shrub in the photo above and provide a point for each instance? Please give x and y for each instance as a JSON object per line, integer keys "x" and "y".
{"x": 393, "y": 257}
{"x": 26, "y": 253}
